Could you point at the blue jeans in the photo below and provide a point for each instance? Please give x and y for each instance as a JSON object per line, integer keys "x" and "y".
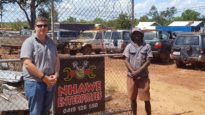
{"x": 39, "y": 96}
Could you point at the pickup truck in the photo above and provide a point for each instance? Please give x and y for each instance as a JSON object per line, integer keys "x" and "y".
{"x": 160, "y": 42}
{"x": 89, "y": 41}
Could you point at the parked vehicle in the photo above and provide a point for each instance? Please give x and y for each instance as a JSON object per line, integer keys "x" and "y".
{"x": 62, "y": 37}
{"x": 188, "y": 48}
{"x": 116, "y": 40}
{"x": 88, "y": 41}
{"x": 26, "y": 32}
{"x": 160, "y": 42}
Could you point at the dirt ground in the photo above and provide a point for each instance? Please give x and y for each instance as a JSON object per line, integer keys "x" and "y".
{"x": 174, "y": 91}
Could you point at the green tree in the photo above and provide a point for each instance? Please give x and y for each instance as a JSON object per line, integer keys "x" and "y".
{"x": 163, "y": 17}
{"x": 178, "y": 18}
{"x": 153, "y": 13}
{"x": 167, "y": 16}
{"x": 123, "y": 22}
{"x": 190, "y": 15}
{"x": 98, "y": 21}
{"x": 144, "y": 18}
{"x": 83, "y": 21}
{"x": 46, "y": 12}
{"x": 70, "y": 20}
{"x": 202, "y": 17}
{"x": 29, "y": 8}
{"x": 111, "y": 24}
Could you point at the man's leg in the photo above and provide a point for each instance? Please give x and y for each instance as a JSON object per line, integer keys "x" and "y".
{"x": 50, "y": 93}
{"x": 148, "y": 107}
{"x": 34, "y": 92}
{"x": 144, "y": 94}
{"x": 134, "y": 107}
{"x": 132, "y": 93}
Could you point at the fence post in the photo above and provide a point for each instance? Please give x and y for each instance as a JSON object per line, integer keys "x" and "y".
{"x": 133, "y": 17}
{"x": 52, "y": 19}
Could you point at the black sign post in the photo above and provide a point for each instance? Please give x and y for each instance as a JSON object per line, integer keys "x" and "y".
{"x": 81, "y": 86}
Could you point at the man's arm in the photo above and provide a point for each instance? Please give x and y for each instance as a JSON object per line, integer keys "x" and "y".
{"x": 36, "y": 72}
{"x": 32, "y": 68}
{"x": 145, "y": 65}
{"x": 128, "y": 65}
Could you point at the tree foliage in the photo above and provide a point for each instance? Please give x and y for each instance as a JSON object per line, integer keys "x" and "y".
{"x": 153, "y": 13}
{"x": 144, "y": 18}
{"x": 163, "y": 17}
{"x": 123, "y": 21}
{"x": 33, "y": 8}
{"x": 190, "y": 15}
{"x": 29, "y": 7}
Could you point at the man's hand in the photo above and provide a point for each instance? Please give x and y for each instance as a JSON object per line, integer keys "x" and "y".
{"x": 136, "y": 72}
{"x": 50, "y": 80}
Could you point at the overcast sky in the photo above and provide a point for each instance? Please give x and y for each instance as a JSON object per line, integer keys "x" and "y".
{"x": 143, "y": 6}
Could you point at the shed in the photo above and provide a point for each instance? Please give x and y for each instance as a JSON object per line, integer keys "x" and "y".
{"x": 147, "y": 25}
{"x": 184, "y": 26}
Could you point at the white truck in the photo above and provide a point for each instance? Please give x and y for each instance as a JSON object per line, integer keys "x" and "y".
{"x": 89, "y": 41}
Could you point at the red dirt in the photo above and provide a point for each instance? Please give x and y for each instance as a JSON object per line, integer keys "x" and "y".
{"x": 174, "y": 91}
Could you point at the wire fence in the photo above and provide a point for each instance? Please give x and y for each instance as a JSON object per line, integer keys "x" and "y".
{"x": 13, "y": 99}
{"x": 13, "y": 19}
{"x": 15, "y": 16}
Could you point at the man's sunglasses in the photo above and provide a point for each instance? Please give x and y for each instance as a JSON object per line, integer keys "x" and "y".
{"x": 42, "y": 25}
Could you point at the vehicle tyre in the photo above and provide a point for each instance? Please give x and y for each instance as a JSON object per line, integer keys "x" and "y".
{"x": 97, "y": 51}
{"x": 87, "y": 50}
{"x": 73, "y": 52}
{"x": 180, "y": 64}
{"x": 166, "y": 58}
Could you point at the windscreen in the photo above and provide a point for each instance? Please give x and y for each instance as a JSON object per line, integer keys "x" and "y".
{"x": 187, "y": 40}
{"x": 107, "y": 35}
{"x": 88, "y": 35}
{"x": 203, "y": 41}
{"x": 150, "y": 35}
{"x": 126, "y": 36}
{"x": 66, "y": 34}
{"x": 116, "y": 35}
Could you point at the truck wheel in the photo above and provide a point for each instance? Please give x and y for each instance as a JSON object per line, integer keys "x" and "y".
{"x": 72, "y": 52}
{"x": 180, "y": 64}
{"x": 97, "y": 51}
{"x": 167, "y": 58}
{"x": 87, "y": 50}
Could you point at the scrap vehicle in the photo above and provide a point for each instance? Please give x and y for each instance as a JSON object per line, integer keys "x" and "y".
{"x": 88, "y": 41}
{"x": 160, "y": 42}
{"x": 116, "y": 40}
{"x": 189, "y": 48}
{"x": 62, "y": 37}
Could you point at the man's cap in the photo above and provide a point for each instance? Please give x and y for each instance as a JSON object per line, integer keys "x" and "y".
{"x": 137, "y": 30}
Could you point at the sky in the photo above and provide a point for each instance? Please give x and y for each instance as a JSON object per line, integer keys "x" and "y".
{"x": 143, "y": 6}
{"x": 108, "y": 8}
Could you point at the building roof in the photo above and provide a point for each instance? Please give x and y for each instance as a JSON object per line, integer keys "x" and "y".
{"x": 147, "y": 25}
{"x": 185, "y": 23}
{"x": 196, "y": 23}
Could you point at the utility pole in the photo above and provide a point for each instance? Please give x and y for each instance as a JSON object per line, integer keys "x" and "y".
{"x": 133, "y": 17}
{"x": 52, "y": 19}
